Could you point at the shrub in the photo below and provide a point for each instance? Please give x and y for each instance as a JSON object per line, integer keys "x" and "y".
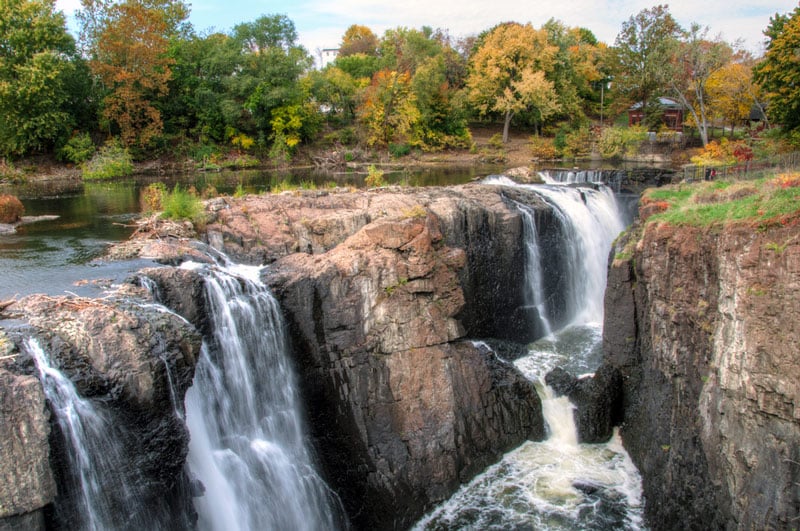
{"x": 111, "y": 161}
{"x": 399, "y": 150}
{"x": 616, "y": 142}
{"x": 496, "y": 141}
{"x": 374, "y": 177}
{"x": 152, "y": 197}
{"x": 543, "y": 148}
{"x": 578, "y": 143}
{"x": 11, "y": 209}
{"x": 78, "y": 149}
{"x": 182, "y": 204}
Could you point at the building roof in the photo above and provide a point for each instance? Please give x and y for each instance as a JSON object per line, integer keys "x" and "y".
{"x": 666, "y": 103}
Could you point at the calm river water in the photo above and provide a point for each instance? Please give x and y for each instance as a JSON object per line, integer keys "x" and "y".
{"x": 61, "y": 255}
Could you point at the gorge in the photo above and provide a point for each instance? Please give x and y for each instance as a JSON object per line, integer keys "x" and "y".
{"x": 402, "y": 312}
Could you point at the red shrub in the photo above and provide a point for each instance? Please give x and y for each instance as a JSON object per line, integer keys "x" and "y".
{"x": 11, "y": 209}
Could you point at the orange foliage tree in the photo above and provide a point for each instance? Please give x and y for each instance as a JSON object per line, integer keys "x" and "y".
{"x": 132, "y": 61}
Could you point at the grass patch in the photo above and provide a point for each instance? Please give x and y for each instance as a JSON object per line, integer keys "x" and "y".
{"x": 765, "y": 201}
{"x": 111, "y": 161}
{"x": 180, "y": 204}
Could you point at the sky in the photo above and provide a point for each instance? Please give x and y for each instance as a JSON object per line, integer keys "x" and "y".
{"x": 321, "y": 23}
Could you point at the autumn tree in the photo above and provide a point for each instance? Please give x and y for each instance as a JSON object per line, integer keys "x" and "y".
{"x": 507, "y": 74}
{"x": 779, "y": 72}
{"x": 576, "y": 68}
{"x": 695, "y": 59}
{"x": 388, "y": 110}
{"x": 642, "y": 51}
{"x": 132, "y": 61}
{"x": 358, "y": 40}
{"x": 37, "y": 76}
{"x": 732, "y": 93}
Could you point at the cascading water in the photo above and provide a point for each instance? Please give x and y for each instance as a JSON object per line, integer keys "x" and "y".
{"x": 534, "y": 293}
{"x": 559, "y": 484}
{"x": 99, "y": 493}
{"x": 248, "y": 442}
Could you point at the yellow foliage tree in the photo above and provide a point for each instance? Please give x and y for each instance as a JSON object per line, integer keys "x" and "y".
{"x": 732, "y": 93}
{"x": 508, "y": 74}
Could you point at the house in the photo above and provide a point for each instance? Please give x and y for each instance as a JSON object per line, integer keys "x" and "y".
{"x": 672, "y": 113}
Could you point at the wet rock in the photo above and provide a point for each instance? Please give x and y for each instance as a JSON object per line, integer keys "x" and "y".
{"x": 598, "y": 401}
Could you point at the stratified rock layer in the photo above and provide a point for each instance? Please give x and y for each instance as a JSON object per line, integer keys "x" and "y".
{"x": 704, "y": 325}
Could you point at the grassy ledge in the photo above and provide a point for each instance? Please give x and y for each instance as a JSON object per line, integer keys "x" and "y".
{"x": 763, "y": 202}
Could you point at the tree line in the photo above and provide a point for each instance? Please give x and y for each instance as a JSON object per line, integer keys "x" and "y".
{"x": 140, "y": 75}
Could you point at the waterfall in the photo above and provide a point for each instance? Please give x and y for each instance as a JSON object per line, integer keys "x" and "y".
{"x": 590, "y": 220}
{"x": 248, "y": 440}
{"x": 99, "y": 493}
{"x": 534, "y": 290}
{"x": 558, "y": 484}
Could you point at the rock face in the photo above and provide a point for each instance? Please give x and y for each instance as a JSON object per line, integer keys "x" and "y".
{"x": 597, "y": 399}
{"x": 406, "y": 411}
{"x": 703, "y": 326}
{"x": 26, "y": 482}
{"x": 134, "y": 359}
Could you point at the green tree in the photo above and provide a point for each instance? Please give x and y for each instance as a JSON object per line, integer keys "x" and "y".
{"x": 268, "y": 74}
{"x": 37, "y": 76}
{"x": 643, "y": 50}
{"x": 508, "y": 74}
{"x": 779, "y": 72}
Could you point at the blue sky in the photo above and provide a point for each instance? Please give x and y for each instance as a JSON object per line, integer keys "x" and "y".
{"x": 321, "y": 23}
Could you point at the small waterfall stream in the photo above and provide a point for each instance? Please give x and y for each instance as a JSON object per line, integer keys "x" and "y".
{"x": 99, "y": 494}
{"x": 248, "y": 441}
{"x": 558, "y": 484}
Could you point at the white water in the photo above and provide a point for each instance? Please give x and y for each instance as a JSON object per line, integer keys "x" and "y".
{"x": 559, "y": 484}
{"x": 248, "y": 442}
{"x": 99, "y": 494}
{"x": 534, "y": 290}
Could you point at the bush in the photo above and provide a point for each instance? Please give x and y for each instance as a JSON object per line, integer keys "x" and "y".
{"x": 578, "y": 143}
{"x": 543, "y": 148}
{"x": 182, "y": 204}
{"x": 374, "y": 177}
{"x": 11, "y": 209}
{"x": 616, "y": 142}
{"x": 152, "y": 197}
{"x": 78, "y": 149}
{"x": 399, "y": 150}
{"x": 111, "y": 161}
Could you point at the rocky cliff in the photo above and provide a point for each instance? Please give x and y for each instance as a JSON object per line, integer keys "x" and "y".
{"x": 380, "y": 291}
{"x": 703, "y": 325}
{"x": 131, "y": 359}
